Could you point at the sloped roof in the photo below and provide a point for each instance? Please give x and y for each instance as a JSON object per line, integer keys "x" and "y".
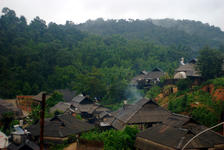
{"x": 6, "y": 106}
{"x": 164, "y": 135}
{"x": 61, "y": 126}
{"x": 157, "y": 69}
{"x": 144, "y": 111}
{"x": 68, "y": 95}
{"x": 102, "y": 109}
{"x": 193, "y": 61}
{"x": 177, "y": 137}
{"x": 135, "y": 80}
{"x": 38, "y": 97}
{"x": 150, "y": 112}
{"x": 144, "y": 72}
{"x": 189, "y": 69}
{"x": 61, "y": 106}
{"x": 103, "y": 114}
{"x": 177, "y": 120}
{"x": 79, "y": 98}
{"x": 154, "y": 74}
{"x": 89, "y": 108}
{"x": 3, "y": 110}
{"x": 26, "y": 145}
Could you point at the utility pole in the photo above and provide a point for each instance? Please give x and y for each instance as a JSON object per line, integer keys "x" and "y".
{"x": 42, "y": 121}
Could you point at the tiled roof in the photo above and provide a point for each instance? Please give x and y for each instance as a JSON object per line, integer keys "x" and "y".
{"x": 144, "y": 111}
{"x": 61, "y": 126}
{"x": 176, "y": 137}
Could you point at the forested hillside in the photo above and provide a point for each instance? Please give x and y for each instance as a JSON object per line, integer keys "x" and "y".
{"x": 36, "y": 57}
{"x": 193, "y": 34}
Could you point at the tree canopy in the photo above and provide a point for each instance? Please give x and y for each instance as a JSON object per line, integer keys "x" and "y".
{"x": 210, "y": 62}
{"x": 39, "y": 57}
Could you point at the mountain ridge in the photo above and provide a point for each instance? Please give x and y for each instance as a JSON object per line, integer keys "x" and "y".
{"x": 162, "y": 31}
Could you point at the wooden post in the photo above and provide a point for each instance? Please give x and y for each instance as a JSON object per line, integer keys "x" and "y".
{"x": 42, "y": 121}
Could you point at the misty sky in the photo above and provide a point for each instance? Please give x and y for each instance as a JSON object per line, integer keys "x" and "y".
{"x": 207, "y": 11}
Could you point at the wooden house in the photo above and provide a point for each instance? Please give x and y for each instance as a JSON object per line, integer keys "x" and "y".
{"x": 147, "y": 79}
{"x": 145, "y": 113}
{"x": 81, "y": 100}
{"x": 25, "y": 102}
{"x": 59, "y": 128}
{"x": 87, "y": 108}
{"x": 7, "y": 106}
{"x": 175, "y": 132}
{"x": 27, "y": 145}
{"x": 188, "y": 71}
{"x": 62, "y": 107}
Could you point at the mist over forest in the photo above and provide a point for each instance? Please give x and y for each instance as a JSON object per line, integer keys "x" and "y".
{"x": 98, "y": 57}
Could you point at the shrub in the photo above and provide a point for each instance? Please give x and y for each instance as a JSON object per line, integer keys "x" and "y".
{"x": 114, "y": 139}
{"x": 184, "y": 84}
{"x": 153, "y": 92}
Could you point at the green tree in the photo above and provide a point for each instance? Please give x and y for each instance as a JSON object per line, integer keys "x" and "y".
{"x": 210, "y": 63}
{"x": 53, "y": 100}
{"x": 6, "y": 121}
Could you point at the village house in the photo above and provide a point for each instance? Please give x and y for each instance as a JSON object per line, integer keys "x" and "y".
{"x": 19, "y": 140}
{"x": 174, "y": 133}
{"x": 59, "y": 128}
{"x": 188, "y": 70}
{"x": 81, "y": 100}
{"x": 61, "y": 107}
{"x": 7, "y": 106}
{"x": 147, "y": 79}
{"x": 105, "y": 119}
{"x": 27, "y": 145}
{"x": 87, "y": 108}
{"x": 25, "y": 102}
{"x": 144, "y": 113}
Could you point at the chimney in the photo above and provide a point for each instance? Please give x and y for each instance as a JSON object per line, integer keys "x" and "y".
{"x": 182, "y": 61}
{"x": 125, "y": 102}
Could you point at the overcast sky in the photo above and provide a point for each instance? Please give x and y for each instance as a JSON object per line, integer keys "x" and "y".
{"x": 207, "y": 11}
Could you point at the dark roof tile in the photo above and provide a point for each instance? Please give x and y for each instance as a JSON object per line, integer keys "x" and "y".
{"x": 61, "y": 126}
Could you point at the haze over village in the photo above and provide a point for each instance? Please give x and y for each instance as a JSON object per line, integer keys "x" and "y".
{"x": 115, "y": 75}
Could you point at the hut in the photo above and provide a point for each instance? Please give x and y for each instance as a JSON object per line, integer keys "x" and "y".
{"x": 61, "y": 107}
{"x": 147, "y": 79}
{"x": 145, "y": 113}
{"x": 167, "y": 137}
{"x": 25, "y": 102}
{"x": 7, "y": 106}
{"x": 59, "y": 128}
{"x": 189, "y": 71}
{"x": 175, "y": 132}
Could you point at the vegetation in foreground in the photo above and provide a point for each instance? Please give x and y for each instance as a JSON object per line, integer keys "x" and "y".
{"x": 114, "y": 139}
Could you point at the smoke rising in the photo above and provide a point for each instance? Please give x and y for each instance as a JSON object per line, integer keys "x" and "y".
{"x": 133, "y": 94}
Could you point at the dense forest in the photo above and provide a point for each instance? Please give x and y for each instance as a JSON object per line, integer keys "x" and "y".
{"x": 36, "y": 56}
{"x": 190, "y": 33}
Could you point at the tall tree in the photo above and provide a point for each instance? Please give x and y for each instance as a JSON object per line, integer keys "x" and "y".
{"x": 210, "y": 63}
